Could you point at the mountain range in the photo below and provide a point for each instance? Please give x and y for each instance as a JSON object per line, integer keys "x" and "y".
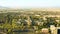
{"x": 34, "y": 9}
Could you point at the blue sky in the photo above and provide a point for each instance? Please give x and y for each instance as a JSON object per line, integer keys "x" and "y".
{"x": 30, "y": 3}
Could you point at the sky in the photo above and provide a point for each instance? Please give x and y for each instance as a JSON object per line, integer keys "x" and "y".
{"x": 30, "y": 3}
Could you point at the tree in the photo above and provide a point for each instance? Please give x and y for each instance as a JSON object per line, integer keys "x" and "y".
{"x": 50, "y": 21}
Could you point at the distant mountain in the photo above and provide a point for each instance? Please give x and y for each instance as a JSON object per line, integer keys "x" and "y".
{"x": 1, "y": 7}
{"x": 33, "y": 9}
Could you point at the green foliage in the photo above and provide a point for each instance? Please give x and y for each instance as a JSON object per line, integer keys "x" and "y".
{"x": 11, "y": 19}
